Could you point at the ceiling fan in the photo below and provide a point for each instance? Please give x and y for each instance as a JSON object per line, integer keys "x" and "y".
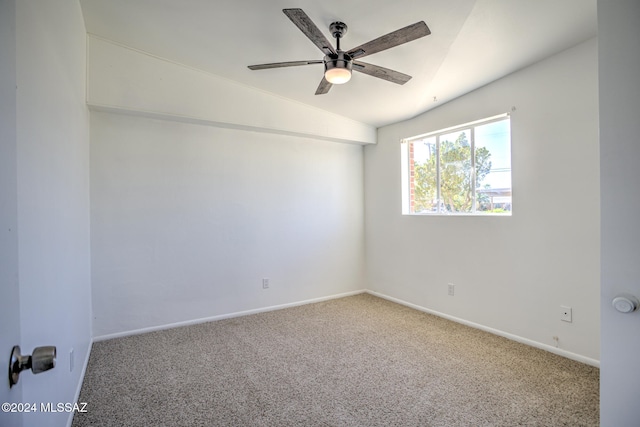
{"x": 338, "y": 64}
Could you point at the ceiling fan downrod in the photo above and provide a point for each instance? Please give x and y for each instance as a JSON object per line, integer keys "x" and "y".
{"x": 338, "y": 30}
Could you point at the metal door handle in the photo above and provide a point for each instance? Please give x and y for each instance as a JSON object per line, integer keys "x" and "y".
{"x": 42, "y": 359}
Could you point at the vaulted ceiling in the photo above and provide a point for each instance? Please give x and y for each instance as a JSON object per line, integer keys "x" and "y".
{"x": 472, "y": 43}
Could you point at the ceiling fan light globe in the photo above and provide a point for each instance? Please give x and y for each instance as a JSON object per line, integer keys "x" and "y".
{"x": 337, "y": 76}
{"x": 337, "y": 68}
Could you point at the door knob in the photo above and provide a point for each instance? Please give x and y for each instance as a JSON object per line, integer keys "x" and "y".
{"x": 625, "y": 303}
{"x": 42, "y": 359}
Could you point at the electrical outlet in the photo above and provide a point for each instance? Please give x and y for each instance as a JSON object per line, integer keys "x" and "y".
{"x": 265, "y": 283}
{"x": 451, "y": 289}
{"x": 565, "y": 314}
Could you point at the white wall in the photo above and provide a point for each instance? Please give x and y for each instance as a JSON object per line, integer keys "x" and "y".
{"x": 511, "y": 273}
{"x": 187, "y": 220}
{"x": 619, "y": 70}
{"x": 201, "y": 187}
{"x": 52, "y": 140}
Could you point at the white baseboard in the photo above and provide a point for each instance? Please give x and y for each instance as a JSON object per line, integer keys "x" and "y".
{"x": 542, "y": 346}
{"x": 551, "y": 349}
{"x": 79, "y": 388}
{"x": 224, "y": 316}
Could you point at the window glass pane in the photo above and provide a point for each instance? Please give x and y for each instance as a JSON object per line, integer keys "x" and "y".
{"x": 456, "y": 193}
{"x": 493, "y": 167}
{"x": 459, "y": 170}
{"x": 423, "y": 174}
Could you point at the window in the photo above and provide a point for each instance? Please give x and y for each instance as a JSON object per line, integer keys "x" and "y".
{"x": 463, "y": 170}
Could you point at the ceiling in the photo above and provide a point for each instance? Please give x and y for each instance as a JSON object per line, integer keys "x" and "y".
{"x": 472, "y": 43}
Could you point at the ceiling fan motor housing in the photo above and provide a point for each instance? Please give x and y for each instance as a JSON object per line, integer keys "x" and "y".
{"x": 339, "y": 60}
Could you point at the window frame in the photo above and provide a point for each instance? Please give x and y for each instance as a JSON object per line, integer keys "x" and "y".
{"x": 406, "y": 179}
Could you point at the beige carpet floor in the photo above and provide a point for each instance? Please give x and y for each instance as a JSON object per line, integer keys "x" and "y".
{"x": 355, "y": 361}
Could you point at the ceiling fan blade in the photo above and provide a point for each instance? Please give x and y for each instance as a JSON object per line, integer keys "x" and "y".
{"x": 393, "y": 39}
{"x": 381, "y": 72}
{"x": 283, "y": 64}
{"x": 323, "y": 87}
{"x": 306, "y": 25}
